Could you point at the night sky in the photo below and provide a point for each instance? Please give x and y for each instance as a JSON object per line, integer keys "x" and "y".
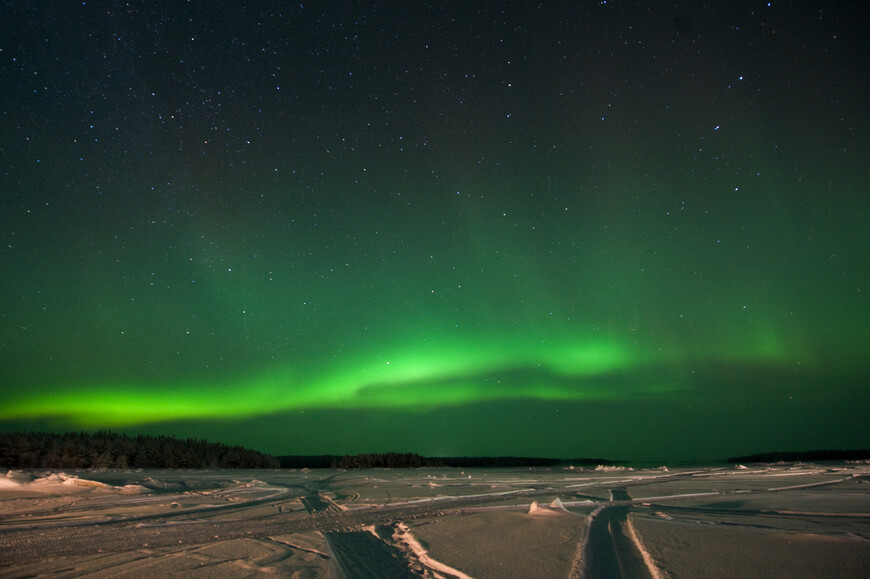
{"x": 636, "y": 230}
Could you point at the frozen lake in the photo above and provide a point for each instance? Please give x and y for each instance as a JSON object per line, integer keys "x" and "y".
{"x": 802, "y": 520}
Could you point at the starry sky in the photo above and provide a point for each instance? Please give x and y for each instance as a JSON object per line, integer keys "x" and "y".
{"x": 625, "y": 229}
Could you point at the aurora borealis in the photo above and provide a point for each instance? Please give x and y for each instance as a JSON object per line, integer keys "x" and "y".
{"x": 610, "y": 229}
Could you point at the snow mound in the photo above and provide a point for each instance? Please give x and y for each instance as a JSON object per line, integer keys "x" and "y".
{"x": 58, "y": 482}
{"x": 553, "y": 508}
{"x": 134, "y": 489}
{"x": 557, "y": 505}
{"x": 14, "y": 480}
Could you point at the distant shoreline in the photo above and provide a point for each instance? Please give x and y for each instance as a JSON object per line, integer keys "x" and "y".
{"x": 808, "y": 455}
{"x": 106, "y": 449}
{"x": 411, "y": 460}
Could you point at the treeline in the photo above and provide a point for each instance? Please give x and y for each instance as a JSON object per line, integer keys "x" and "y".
{"x": 388, "y": 460}
{"x": 313, "y": 461}
{"x": 112, "y": 450}
{"x": 411, "y": 460}
{"x": 497, "y": 461}
{"x": 801, "y": 456}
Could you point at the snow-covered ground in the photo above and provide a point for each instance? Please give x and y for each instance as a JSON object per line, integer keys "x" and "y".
{"x": 783, "y": 520}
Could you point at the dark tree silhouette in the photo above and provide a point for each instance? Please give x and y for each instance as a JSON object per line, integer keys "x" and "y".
{"x": 112, "y": 450}
{"x": 808, "y": 455}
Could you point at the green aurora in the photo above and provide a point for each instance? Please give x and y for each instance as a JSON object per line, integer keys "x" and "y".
{"x": 537, "y": 239}
{"x": 411, "y": 379}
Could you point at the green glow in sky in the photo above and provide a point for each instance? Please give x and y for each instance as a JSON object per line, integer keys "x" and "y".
{"x": 446, "y": 374}
{"x": 547, "y": 228}
{"x": 409, "y": 379}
